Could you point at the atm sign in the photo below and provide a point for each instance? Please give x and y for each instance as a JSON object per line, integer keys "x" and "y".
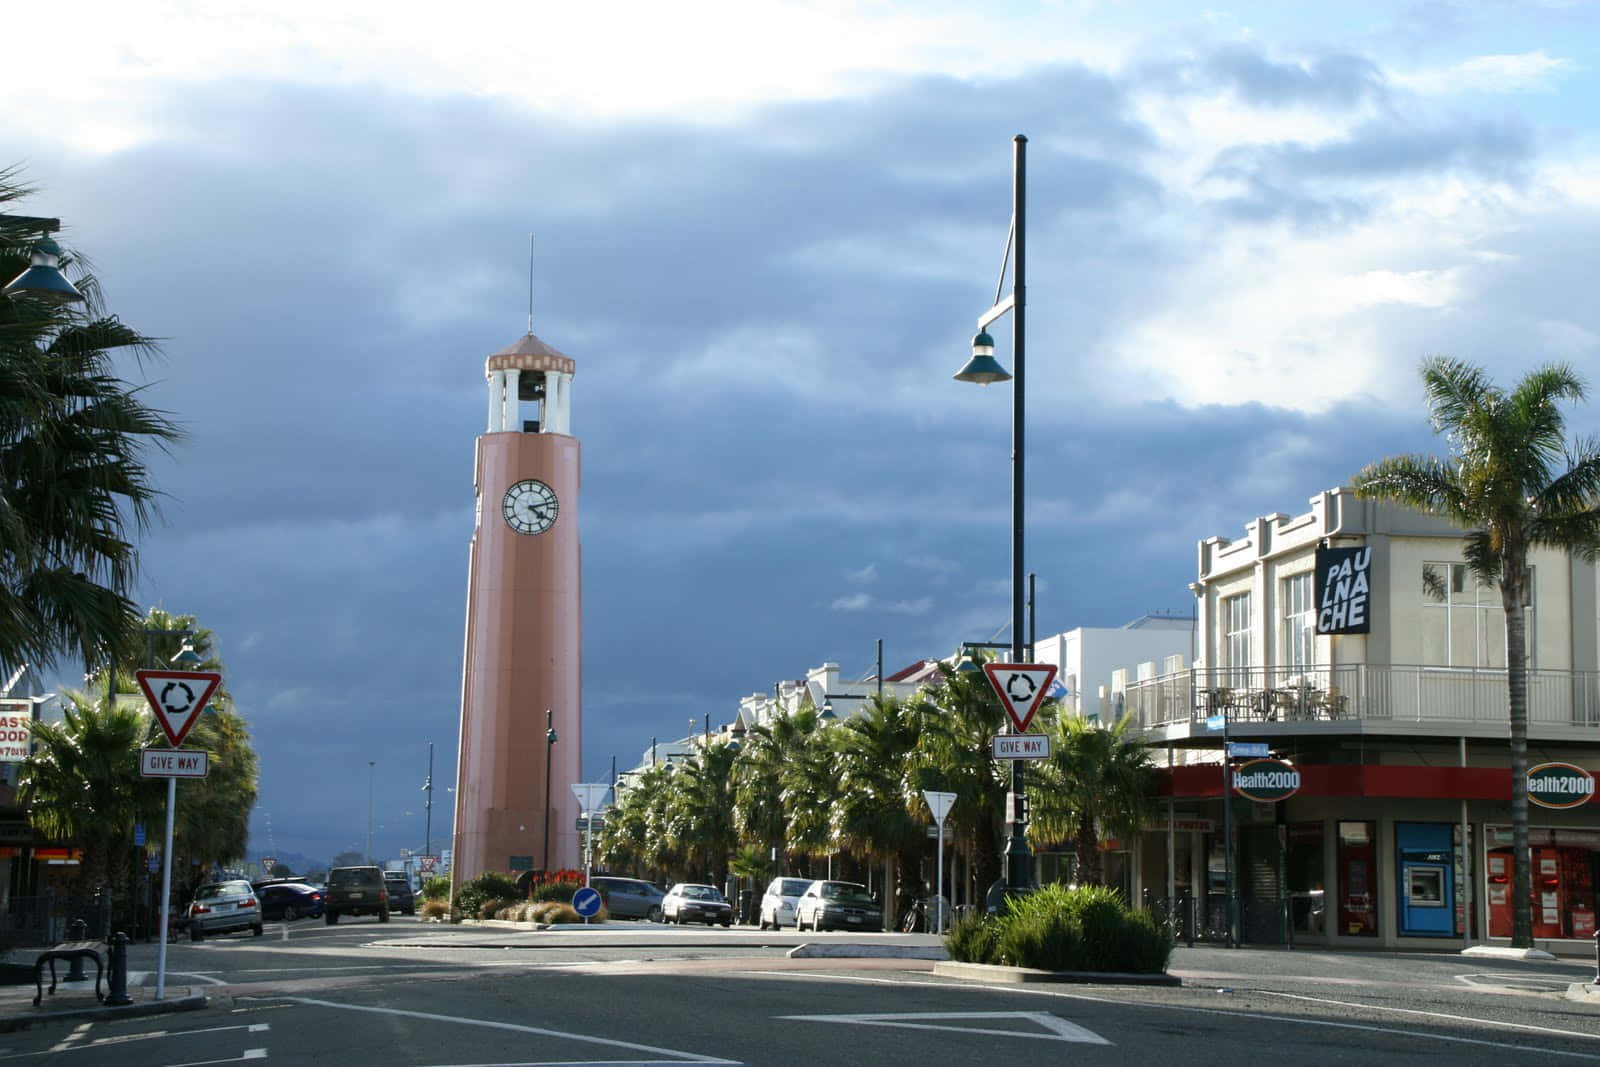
{"x": 1559, "y": 785}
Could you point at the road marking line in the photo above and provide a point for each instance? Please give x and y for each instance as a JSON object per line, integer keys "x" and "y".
{"x": 1376, "y": 1029}
{"x": 1431, "y": 1015}
{"x": 67, "y": 1042}
{"x": 495, "y": 1024}
{"x": 1061, "y": 1029}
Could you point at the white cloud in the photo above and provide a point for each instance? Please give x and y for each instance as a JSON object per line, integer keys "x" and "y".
{"x": 1536, "y": 71}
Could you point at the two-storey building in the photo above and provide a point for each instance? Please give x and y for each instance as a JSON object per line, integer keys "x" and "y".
{"x": 1400, "y": 827}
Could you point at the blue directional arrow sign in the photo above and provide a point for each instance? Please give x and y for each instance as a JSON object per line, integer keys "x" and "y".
{"x": 1216, "y": 722}
{"x": 586, "y": 902}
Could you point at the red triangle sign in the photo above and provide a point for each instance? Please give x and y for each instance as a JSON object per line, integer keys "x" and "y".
{"x": 1021, "y": 688}
{"x": 177, "y": 698}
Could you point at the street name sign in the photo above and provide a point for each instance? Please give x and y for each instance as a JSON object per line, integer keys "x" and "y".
{"x": 1021, "y": 687}
{"x": 1259, "y": 749}
{"x": 173, "y": 763}
{"x": 1021, "y": 746}
{"x": 1216, "y": 722}
{"x": 177, "y": 698}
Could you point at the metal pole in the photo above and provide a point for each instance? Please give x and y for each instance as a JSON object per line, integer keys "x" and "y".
{"x": 1033, "y": 621}
{"x": 549, "y": 744}
{"x": 880, "y": 670}
{"x": 372, "y": 777}
{"x": 938, "y": 907}
{"x": 1227, "y": 835}
{"x": 1019, "y": 859}
{"x": 166, "y": 889}
{"x": 427, "y": 807}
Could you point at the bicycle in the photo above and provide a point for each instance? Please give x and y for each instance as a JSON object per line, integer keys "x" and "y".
{"x": 917, "y": 918}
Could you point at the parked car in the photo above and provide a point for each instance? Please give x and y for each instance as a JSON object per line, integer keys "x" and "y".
{"x": 401, "y": 896}
{"x": 219, "y": 907}
{"x": 778, "y": 902}
{"x": 289, "y": 901}
{"x": 829, "y": 905}
{"x": 687, "y": 902}
{"x": 629, "y": 898}
{"x": 355, "y": 891}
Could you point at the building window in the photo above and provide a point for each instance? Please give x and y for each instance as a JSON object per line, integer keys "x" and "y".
{"x": 1236, "y": 640}
{"x": 1464, "y": 621}
{"x": 1299, "y": 622}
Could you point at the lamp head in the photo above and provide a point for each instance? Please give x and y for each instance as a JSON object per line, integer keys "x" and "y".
{"x": 43, "y": 278}
{"x": 983, "y": 368}
{"x": 186, "y": 658}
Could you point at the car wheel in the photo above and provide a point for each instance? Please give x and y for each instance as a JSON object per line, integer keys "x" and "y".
{"x": 763, "y": 923}
{"x": 289, "y": 914}
{"x": 726, "y": 923}
{"x": 655, "y": 915}
{"x": 256, "y": 929}
{"x": 411, "y": 910}
{"x": 331, "y": 917}
{"x": 194, "y": 932}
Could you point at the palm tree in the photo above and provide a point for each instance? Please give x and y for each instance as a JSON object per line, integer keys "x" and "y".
{"x": 956, "y": 721}
{"x": 762, "y": 803}
{"x": 82, "y": 783}
{"x": 1096, "y": 782}
{"x": 1502, "y": 485}
{"x": 72, "y": 476}
{"x": 700, "y": 820}
{"x": 874, "y": 812}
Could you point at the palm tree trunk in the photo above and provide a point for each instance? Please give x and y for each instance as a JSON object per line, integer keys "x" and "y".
{"x": 1513, "y": 587}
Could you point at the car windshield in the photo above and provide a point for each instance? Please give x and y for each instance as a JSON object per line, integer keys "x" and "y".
{"x": 845, "y": 893}
{"x": 793, "y": 887}
{"x": 699, "y": 892}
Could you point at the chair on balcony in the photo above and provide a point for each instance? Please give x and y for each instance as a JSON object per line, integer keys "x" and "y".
{"x": 1331, "y": 705}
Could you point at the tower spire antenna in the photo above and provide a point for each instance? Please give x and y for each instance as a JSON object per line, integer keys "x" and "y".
{"x": 530, "y": 285}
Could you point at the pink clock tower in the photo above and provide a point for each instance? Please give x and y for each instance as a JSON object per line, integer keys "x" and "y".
{"x": 515, "y": 809}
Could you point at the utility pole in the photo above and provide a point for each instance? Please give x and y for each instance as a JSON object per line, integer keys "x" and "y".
{"x": 427, "y": 807}
{"x": 372, "y": 777}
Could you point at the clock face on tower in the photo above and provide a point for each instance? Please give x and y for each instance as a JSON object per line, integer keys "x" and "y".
{"x": 530, "y": 507}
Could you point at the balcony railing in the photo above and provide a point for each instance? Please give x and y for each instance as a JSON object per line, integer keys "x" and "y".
{"x": 1397, "y": 695}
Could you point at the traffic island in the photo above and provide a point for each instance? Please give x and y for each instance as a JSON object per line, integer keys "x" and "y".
{"x": 991, "y": 972}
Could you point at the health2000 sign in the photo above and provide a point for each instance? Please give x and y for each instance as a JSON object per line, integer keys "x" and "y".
{"x": 1266, "y": 780}
{"x": 1559, "y": 785}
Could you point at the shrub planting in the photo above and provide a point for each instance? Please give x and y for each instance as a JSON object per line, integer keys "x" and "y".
{"x": 435, "y": 909}
{"x": 436, "y": 888}
{"x": 1061, "y": 929}
{"x": 472, "y": 895}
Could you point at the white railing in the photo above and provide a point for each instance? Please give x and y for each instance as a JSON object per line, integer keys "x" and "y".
{"x": 1359, "y": 692}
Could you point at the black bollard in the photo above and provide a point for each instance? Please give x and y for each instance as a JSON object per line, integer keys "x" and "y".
{"x": 77, "y": 930}
{"x": 118, "y": 993}
{"x": 1597, "y": 957}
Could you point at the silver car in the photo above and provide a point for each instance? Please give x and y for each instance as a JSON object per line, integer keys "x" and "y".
{"x": 829, "y": 905}
{"x": 219, "y": 907}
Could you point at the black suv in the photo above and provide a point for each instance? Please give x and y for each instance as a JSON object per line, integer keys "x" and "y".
{"x": 355, "y": 891}
{"x": 401, "y": 898}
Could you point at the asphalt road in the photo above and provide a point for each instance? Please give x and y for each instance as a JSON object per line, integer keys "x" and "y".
{"x": 413, "y": 993}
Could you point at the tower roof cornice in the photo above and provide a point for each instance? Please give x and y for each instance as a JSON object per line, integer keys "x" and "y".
{"x": 530, "y": 353}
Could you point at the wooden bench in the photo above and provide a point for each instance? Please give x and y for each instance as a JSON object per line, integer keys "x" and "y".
{"x": 75, "y": 952}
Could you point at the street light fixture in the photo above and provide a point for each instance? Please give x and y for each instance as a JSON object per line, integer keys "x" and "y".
{"x": 43, "y": 277}
{"x": 984, "y": 370}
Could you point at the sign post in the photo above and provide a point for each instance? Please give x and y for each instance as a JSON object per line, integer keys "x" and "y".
{"x": 176, "y": 698}
{"x": 939, "y": 804}
{"x": 590, "y": 796}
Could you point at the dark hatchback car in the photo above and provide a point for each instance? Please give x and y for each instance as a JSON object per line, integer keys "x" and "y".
{"x": 401, "y": 896}
{"x": 289, "y": 901}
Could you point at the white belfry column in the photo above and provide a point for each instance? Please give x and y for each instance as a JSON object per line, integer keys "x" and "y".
{"x": 558, "y": 395}
{"x": 497, "y": 401}
{"x": 509, "y": 420}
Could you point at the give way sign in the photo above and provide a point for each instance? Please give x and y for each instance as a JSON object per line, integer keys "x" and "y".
{"x": 177, "y": 698}
{"x": 1021, "y": 687}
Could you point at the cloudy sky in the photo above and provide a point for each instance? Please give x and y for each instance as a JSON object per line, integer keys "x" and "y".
{"x": 764, "y": 230}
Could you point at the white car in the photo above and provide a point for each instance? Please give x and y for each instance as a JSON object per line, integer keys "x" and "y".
{"x": 779, "y": 901}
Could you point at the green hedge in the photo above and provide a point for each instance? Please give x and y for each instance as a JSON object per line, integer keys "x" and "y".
{"x": 1059, "y": 929}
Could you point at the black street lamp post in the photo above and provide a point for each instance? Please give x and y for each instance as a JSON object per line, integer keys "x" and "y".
{"x": 549, "y": 745}
{"x": 983, "y": 369}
